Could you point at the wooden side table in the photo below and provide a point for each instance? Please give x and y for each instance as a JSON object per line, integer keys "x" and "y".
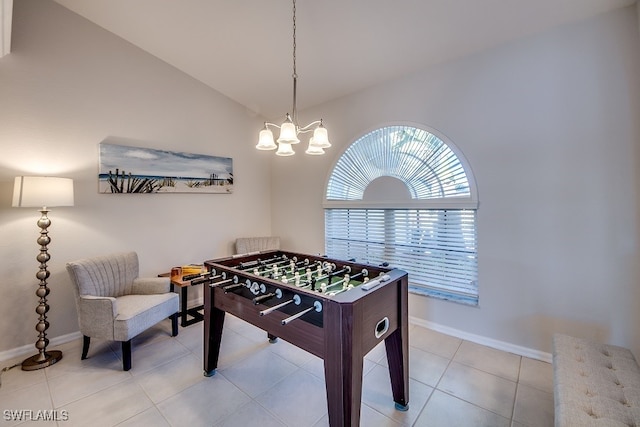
{"x": 188, "y": 315}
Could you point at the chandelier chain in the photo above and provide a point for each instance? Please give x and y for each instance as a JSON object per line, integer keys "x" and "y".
{"x": 295, "y": 75}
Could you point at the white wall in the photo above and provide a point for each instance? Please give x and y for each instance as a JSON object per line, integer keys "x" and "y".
{"x": 69, "y": 85}
{"x": 549, "y": 126}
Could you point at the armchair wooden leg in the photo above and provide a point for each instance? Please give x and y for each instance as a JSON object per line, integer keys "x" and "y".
{"x": 174, "y": 324}
{"x": 126, "y": 355}
{"x": 85, "y": 346}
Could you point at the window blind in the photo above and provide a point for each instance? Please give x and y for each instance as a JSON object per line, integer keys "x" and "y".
{"x": 428, "y": 166}
{"x": 436, "y": 247}
{"x": 432, "y": 236}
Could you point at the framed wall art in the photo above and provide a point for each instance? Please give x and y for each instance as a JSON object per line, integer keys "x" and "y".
{"x": 124, "y": 169}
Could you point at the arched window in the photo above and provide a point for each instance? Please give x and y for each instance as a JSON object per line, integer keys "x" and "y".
{"x": 403, "y": 196}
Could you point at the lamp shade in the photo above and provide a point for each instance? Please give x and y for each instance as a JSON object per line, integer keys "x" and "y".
{"x": 42, "y": 191}
{"x": 285, "y": 149}
{"x": 321, "y": 137}
{"x": 313, "y": 149}
{"x": 265, "y": 141}
{"x": 288, "y": 132}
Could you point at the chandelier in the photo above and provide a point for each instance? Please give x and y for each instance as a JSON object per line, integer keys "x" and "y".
{"x": 290, "y": 129}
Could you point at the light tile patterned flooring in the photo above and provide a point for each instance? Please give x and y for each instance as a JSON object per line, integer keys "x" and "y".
{"x": 453, "y": 382}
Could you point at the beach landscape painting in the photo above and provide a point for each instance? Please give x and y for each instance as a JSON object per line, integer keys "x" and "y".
{"x": 125, "y": 169}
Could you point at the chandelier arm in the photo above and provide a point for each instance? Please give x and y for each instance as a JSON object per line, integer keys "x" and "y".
{"x": 308, "y": 128}
{"x": 268, "y": 124}
{"x": 304, "y": 129}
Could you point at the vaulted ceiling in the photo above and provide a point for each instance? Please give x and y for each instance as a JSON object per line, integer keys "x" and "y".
{"x": 243, "y": 48}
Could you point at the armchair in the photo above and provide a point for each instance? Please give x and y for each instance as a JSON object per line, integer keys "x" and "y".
{"x": 115, "y": 304}
{"x": 252, "y": 244}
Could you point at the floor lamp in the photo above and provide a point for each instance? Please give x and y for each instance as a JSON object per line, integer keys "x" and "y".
{"x": 42, "y": 192}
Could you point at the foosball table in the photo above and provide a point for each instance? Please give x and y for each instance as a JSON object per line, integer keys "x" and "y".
{"x": 336, "y": 310}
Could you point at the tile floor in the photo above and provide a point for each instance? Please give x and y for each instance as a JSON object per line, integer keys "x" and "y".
{"x": 452, "y": 383}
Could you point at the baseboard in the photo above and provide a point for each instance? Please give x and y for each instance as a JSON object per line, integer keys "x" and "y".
{"x": 26, "y": 350}
{"x": 479, "y": 339}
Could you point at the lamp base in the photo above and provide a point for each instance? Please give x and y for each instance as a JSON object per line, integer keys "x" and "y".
{"x": 33, "y": 363}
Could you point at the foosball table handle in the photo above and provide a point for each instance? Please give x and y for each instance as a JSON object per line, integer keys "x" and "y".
{"x": 261, "y": 298}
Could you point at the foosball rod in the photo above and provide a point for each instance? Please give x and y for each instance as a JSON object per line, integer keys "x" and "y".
{"x": 230, "y": 288}
{"x": 354, "y": 277}
{"x": 305, "y": 282}
{"x": 332, "y": 274}
{"x": 277, "y": 293}
{"x": 324, "y": 267}
{"x": 307, "y": 265}
{"x": 222, "y": 282}
{"x": 275, "y": 307}
{"x": 267, "y": 267}
{"x": 295, "y": 316}
{"x": 317, "y": 306}
{"x": 297, "y": 270}
{"x": 257, "y": 300}
{"x": 303, "y": 278}
{"x": 189, "y": 277}
{"x": 204, "y": 279}
{"x": 249, "y": 264}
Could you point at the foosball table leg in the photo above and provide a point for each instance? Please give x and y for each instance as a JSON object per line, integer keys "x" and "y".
{"x": 212, "y": 339}
{"x": 397, "y": 349}
{"x": 344, "y": 391}
{"x": 343, "y": 362}
{"x": 272, "y": 338}
{"x": 397, "y": 359}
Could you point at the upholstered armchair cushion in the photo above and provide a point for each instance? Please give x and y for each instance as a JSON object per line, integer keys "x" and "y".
{"x": 253, "y": 244}
{"x": 136, "y": 313}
